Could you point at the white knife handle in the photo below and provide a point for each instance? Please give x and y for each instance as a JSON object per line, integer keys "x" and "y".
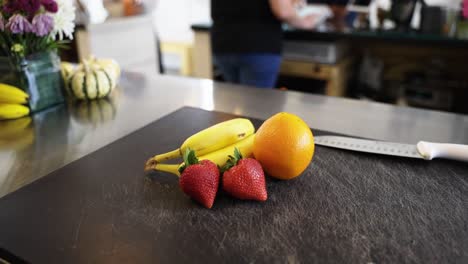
{"x": 440, "y": 150}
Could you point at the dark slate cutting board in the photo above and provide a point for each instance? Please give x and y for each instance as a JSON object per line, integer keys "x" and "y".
{"x": 348, "y": 207}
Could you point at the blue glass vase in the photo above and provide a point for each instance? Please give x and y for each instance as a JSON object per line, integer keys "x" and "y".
{"x": 39, "y": 75}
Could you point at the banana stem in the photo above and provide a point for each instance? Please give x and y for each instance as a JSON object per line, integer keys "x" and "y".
{"x": 167, "y": 156}
{"x": 152, "y": 165}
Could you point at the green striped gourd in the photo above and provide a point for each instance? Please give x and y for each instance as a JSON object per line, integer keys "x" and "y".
{"x": 92, "y": 81}
{"x": 110, "y": 65}
{"x": 67, "y": 70}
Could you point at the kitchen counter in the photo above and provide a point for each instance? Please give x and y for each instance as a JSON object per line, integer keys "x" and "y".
{"x": 327, "y": 33}
{"x": 64, "y": 134}
{"x": 347, "y": 206}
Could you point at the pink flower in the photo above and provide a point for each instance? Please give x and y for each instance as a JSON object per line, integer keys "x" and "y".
{"x": 18, "y": 24}
{"x": 42, "y": 25}
{"x": 50, "y": 5}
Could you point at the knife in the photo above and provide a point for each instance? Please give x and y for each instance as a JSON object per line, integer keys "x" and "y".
{"x": 422, "y": 150}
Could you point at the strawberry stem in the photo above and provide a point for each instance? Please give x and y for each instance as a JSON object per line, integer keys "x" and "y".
{"x": 232, "y": 161}
{"x": 190, "y": 158}
{"x": 237, "y": 154}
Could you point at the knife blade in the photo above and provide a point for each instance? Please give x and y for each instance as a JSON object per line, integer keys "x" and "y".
{"x": 422, "y": 150}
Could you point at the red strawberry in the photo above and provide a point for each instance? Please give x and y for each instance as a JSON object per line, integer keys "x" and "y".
{"x": 199, "y": 180}
{"x": 244, "y": 178}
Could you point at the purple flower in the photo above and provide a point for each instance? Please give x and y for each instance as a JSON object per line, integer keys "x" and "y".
{"x": 42, "y": 25}
{"x": 30, "y": 7}
{"x": 50, "y": 5}
{"x": 2, "y": 22}
{"x": 18, "y": 24}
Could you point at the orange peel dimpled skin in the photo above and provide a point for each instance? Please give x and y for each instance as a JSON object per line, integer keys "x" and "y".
{"x": 284, "y": 146}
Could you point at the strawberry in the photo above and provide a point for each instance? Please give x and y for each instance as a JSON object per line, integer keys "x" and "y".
{"x": 199, "y": 180}
{"x": 244, "y": 178}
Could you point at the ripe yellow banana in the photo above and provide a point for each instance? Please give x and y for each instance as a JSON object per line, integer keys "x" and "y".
{"x": 212, "y": 139}
{"x": 12, "y": 95}
{"x": 9, "y": 90}
{"x": 9, "y": 99}
{"x": 13, "y": 111}
{"x": 219, "y": 157}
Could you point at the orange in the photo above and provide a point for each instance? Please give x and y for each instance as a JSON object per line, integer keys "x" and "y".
{"x": 284, "y": 145}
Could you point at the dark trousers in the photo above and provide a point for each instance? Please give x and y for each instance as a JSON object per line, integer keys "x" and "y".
{"x": 252, "y": 69}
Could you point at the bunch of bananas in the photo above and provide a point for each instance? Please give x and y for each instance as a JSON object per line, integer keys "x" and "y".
{"x": 12, "y": 102}
{"x": 215, "y": 143}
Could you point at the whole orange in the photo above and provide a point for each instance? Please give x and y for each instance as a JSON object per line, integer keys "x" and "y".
{"x": 284, "y": 145}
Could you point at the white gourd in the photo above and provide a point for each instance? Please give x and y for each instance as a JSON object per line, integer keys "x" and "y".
{"x": 109, "y": 65}
{"x": 92, "y": 81}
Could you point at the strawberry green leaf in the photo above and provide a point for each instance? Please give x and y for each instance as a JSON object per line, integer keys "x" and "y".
{"x": 190, "y": 158}
{"x": 232, "y": 161}
{"x": 237, "y": 154}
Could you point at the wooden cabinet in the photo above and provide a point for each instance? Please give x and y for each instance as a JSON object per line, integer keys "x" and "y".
{"x": 336, "y": 75}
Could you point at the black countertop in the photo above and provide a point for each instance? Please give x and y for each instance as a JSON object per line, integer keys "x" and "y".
{"x": 83, "y": 213}
{"x": 330, "y": 34}
{"x": 347, "y": 207}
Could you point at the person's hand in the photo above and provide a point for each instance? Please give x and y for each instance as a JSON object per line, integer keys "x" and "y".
{"x": 285, "y": 11}
{"x": 309, "y": 21}
{"x": 299, "y": 3}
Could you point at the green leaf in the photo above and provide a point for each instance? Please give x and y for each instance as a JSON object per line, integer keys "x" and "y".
{"x": 232, "y": 161}
{"x": 237, "y": 154}
{"x": 30, "y": 41}
{"x": 190, "y": 158}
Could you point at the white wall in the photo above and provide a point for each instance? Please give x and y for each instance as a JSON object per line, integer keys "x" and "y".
{"x": 173, "y": 18}
{"x": 450, "y": 3}
{"x": 385, "y": 4}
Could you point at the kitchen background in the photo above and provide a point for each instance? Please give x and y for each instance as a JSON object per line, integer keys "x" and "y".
{"x": 371, "y": 51}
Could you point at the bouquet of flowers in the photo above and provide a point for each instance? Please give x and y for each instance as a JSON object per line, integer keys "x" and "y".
{"x": 31, "y": 32}
{"x": 31, "y": 26}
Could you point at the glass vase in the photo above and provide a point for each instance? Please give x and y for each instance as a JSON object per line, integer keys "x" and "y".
{"x": 39, "y": 75}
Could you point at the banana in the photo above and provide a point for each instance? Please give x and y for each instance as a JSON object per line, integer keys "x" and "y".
{"x": 12, "y": 95}
{"x": 9, "y": 99}
{"x": 13, "y": 111}
{"x": 219, "y": 157}
{"x": 9, "y": 91}
{"x": 212, "y": 139}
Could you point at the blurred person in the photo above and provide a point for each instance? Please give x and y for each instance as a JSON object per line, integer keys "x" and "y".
{"x": 247, "y": 38}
